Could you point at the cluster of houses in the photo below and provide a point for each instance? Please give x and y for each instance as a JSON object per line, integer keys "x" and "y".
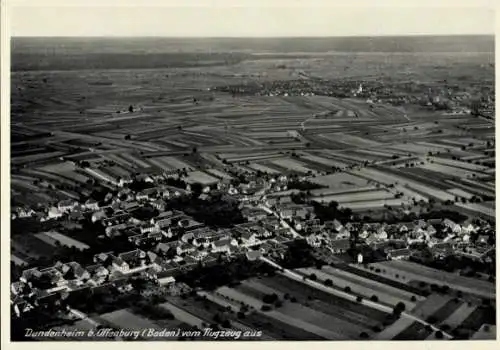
{"x": 166, "y": 245}
{"x": 171, "y": 242}
{"x": 442, "y": 237}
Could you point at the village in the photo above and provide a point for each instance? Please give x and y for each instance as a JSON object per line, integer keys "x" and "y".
{"x": 171, "y": 242}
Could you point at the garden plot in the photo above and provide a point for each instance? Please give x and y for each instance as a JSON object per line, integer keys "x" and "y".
{"x": 365, "y": 196}
{"x": 292, "y": 165}
{"x": 377, "y": 287}
{"x": 341, "y": 181}
{"x": 352, "y": 140}
{"x": 62, "y": 239}
{"x": 373, "y": 204}
{"x": 131, "y": 158}
{"x": 263, "y": 168}
{"x": 388, "y": 179}
{"x": 183, "y": 315}
{"x": 460, "y": 193}
{"x": 429, "y": 306}
{"x": 482, "y": 208}
{"x": 322, "y": 161}
{"x": 349, "y": 311}
{"x": 219, "y": 174}
{"x": 394, "y": 329}
{"x": 176, "y": 163}
{"x": 459, "y": 164}
{"x": 200, "y": 177}
{"x": 448, "y": 170}
{"x": 414, "y": 271}
{"x": 127, "y": 320}
{"x": 341, "y": 191}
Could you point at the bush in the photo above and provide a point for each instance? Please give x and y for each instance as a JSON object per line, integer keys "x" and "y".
{"x": 374, "y": 298}
{"x": 240, "y": 315}
{"x": 363, "y": 335}
{"x": 359, "y": 298}
{"x": 270, "y": 298}
{"x": 293, "y": 299}
{"x": 439, "y": 335}
{"x": 377, "y": 329}
{"x": 328, "y": 283}
{"x": 265, "y": 308}
{"x": 413, "y": 298}
{"x": 313, "y": 277}
{"x": 347, "y": 289}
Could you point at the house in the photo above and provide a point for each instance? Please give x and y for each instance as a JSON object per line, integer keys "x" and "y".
{"x": 120, "y": 265}
{"x": 340, "y": 245}
{"x": 134, "y": 259}
{"x": 67, "y": 205}
{"x": 163, "y": 248}
{"x": 77, "y": 271}
{"x": 223, "y": 245}
{"x": 254, "y": 214}
{"x": 146, "y": 228}
{"x": 142, "y": 196}
{"x": 102, "y": 257}
{"x": 482, "y": 239}
{"x": 98, "y": 215}
{"x": 24, "y": 212}
{"x": 115, "y": 230}
{"x": 165, "y": 279}
{"x": 253, "y": 255}
{"x": 54, "y": 213}
{"x": 29, "y": 274}
{"x": 91, "y": 204}
{"x": 398, "y": 254}
{"x": 313, "y": 241}
{"x": 248, "y": 239}
{"x": 185, "y": 248}
{"x": 153, "y": 259}
{"x": 17, "y": 287}
{"x": 158, "y": 204}
{"x": 98, "y": 273}
{"x": 333, "y": 225}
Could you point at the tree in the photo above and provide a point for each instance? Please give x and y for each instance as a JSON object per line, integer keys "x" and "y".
{"x": 131, "y": 109}
{"x": 127, "y": 137}
{"x": 363, "y": 335}
{"x": 328, "y": 283}
{"x": 313, "y": 277}
{"x": 374, "y": 298}
{"x": 265, "y": 308}
{"x": 439, "y": 335}
{"x": 347, "y": 289}
{"x": 359, "y": 298}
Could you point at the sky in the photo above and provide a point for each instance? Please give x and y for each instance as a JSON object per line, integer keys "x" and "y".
{"x": 250, "y": 21}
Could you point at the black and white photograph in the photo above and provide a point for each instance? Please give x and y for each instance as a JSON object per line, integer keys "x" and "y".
{"x": 249, "y": 171}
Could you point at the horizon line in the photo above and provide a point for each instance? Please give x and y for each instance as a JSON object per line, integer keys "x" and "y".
{"x": 255, "y": 37}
